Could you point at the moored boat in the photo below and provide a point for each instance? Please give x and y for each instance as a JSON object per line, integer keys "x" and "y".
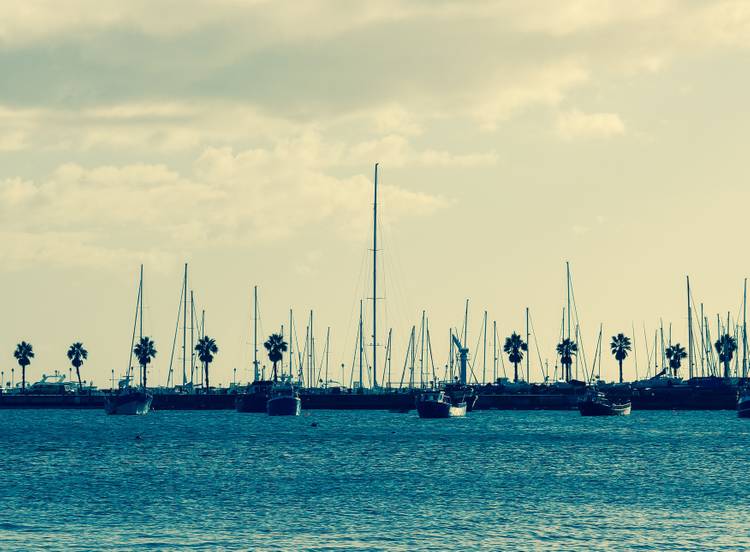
{"x": 284, "y": 399}
{"x": 128, "y": 401}
{"x": 595, "y": 403}
{"x": 743, "y": 404}
{"x": 436, "y": 404}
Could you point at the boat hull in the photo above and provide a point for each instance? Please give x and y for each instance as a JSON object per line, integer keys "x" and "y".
{"x": 592, "y": 408}
{"x": 284, "y": 406}
{"x": 440, "y": 409}
{"x": 133, "y": 404}
{"x": 251, "y": 402}
{"x": 743, "y": 407}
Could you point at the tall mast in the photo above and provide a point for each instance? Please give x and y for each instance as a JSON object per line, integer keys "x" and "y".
{"x": 567, "y": 272}
{"x": 690, "y": 330}
{"x": 375, "y": 283}
{"x": 140, "y": 314}
{"x": 744, "y": 331}
{"x": 291, "y": 345}
{"x": 421, "y": 352}
{"x": 528, "y": 347}
{"x": 494, "y": 351}
{"x": 328, "y": 344}
{"x": 184, "y": 325}
{"x": 361, "y": 345}
{"x": 484, "y": 351}
{"x": 140, "y": 305}
{"x": 203, "y": 326}
{"x": 311, "y": 354}
{"x": 192, "y": 336}
{"x": 255, "y": 333}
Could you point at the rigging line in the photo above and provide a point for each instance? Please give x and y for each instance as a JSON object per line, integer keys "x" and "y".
{"x": 500, "y": 355}
{"x": 354, "y": 361}
{"x": 429, "y": 352}
{"x": 170, "y": 373}
{"x": 406, "y": 359}
{"x": 474, "y": 356}
{"x": 578, "y": 325}
{"x": 536, "y": 344}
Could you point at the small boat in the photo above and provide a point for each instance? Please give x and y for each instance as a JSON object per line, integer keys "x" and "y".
{"x": 284, "y": 399}
{"x": 595, "y": 403}
{"x": 128, "y": 400}
{"x": 743, "y": 404}
{"x": 437, "y": 404}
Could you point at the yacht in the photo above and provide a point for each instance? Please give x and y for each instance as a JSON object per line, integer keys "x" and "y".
{"x": 437, "y": 404}
{"x": 284, "y": 400}
{"x": 596, "y": 403}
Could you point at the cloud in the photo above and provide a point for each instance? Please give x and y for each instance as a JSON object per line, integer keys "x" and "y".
{"x": 97, "y": 216}
{"x": 575, "y": 124}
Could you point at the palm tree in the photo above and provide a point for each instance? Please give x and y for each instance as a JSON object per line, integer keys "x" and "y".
{"x": 620, "y": 348}
{"x": 515, "y": 347}
{"x": 567, "y": 349}
{"x": 77, "y": 354}
{"x": 675, "y": 353}
{"x": 144, "y": 351}
{"x": 206, "y": 349}
{"x": 24, "y": 353}
{"x": 726, "y": 345}
{"x": 276, "y": 347}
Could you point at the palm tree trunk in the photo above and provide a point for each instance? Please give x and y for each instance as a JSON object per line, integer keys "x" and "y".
{"x": 205, "y": 369}
{"x": 78, "y": 373}
{"x": 274, "y": 371}
{"x": 143, "y": 375}
{"x": 726, "y": 369}
{"x": 620, "y": 361}
{"x": 23, "y": 378}
{"x": 515, "y": 372}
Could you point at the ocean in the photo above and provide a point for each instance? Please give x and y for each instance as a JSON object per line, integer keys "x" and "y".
{"x": 82, "y": 480}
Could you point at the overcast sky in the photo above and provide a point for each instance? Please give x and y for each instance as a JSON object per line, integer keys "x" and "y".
{"x": 240, "y": 136}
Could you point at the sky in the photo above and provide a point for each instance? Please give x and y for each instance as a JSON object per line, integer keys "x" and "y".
{"x": 241, "y": 136}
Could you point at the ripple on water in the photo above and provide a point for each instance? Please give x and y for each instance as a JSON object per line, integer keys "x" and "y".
{"x": 373, "y": 480}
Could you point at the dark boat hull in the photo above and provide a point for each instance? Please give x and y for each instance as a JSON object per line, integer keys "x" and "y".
{"x": 251, "y": 402}
{"x": 131, "y": 404}
{"x": 440, "y": 409}
{"x": 743, "y": 408}
{"x": 593, "y": 408}
{"x": 284, "y": 406}
{"x": 358, "y": 401}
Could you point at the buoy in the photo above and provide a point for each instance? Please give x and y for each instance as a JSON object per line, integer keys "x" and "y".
{"x": 314, "y": 424}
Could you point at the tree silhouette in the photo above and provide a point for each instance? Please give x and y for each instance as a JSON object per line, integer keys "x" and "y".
{"x": 206, "y": 349}
{"x": 675, "y": 353}
{"x": 24, "y": 353}
{"x": 276, "y": 347}
{"x": 144, "y": 351}
{"x": 620, "y": 346}
{"x": 566, "y": 350}
{"x": 515, "y": 347}
{"x": 77, "y": 354}
{"x": 726, "y": 345}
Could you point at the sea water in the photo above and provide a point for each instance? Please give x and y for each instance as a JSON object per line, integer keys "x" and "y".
{"x": 82, "y": 480}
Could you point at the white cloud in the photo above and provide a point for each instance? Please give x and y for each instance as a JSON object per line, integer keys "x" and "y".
{"x": 576, "y": 124}
{"x": 95, "y": 216}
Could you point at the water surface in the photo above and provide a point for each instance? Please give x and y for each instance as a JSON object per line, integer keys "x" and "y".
{"x": 80, "y": 480}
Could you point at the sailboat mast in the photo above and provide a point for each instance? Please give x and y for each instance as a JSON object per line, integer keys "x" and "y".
{"x": 184, "y": 325}
{"x": 375, "y": 282}
{"x": 528, "y": 347}
{"x": 690, "y": 330}
{"x": 291, "y": 345}
{"x": 140, "y": 315}
{"x": 361, "y": 345}
{"x": 744, "y": 331}
{"x": 192, "y": 336}
{"x": 484, "y": 350}
{"x": 255, "y": 333}
{"x": 567, "y": 272}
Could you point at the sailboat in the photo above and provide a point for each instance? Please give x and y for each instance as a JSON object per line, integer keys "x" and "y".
{"x": 438, "y": 404}
{"x": 595, "y": 403}
{"x": 255, "y": 396}
{"x": 127, "y": 399}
